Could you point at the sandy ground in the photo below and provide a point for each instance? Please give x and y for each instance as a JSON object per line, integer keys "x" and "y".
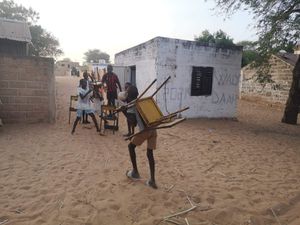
{"x": 244, "y": 172}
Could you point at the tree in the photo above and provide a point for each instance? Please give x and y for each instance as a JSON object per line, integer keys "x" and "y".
{"x": 43, "y": 42}
{"x": 205, "y": 37}
{"x": 10, "y": 10}
{"x": 94, "y": 55}
{"x": 248, "y": 57}
{"x": 249, "y": 52}
{"x": 278, "y": 27}
{"x": 219, "y": 38}
{"x": 248, "y": 45}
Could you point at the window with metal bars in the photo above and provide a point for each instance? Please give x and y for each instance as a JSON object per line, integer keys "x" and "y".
{"x": 202, "y": 78}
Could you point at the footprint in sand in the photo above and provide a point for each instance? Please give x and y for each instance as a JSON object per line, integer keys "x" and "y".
{"x": 57, "y": 185}
{"x": 76, "y": 182}
{"x": 165, "y": 197}
{"x": 102, "y": 184}
{"x": 114, "y": 207}
{"x": 210, "y": 199}
{"x": 144, "y": 206}
{"x": 103, "y": 209}
{"x": 168, "y": 204}
{"x": 25, "y": 187}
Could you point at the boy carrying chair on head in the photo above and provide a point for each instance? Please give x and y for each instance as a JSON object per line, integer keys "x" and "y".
{"x": 149, "y": 119}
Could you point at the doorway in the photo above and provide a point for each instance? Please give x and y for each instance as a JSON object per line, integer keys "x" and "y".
{"x": 133, "y": 75}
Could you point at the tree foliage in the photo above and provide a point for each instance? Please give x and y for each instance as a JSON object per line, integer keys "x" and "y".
{"x": 43, "y": 42}
{"x": 9, "y": 9}
{"x": 219, "y": 38}
{"x": 94, "y": 55}
{"x": 248, "y": 57}
{"x": 277, "y": 22}
{"x": 247, "y": 45}
{"x": 278, "y": 27}
{"x": 249, "y": 52}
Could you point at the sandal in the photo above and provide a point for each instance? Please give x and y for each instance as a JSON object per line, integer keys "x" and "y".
{"x": 131, "y": 175}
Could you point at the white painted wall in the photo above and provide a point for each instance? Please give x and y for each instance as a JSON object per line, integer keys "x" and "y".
{"x": 143, "y": 57}
{"x": 123, "y": 73}
{"x": 163, "y": 57}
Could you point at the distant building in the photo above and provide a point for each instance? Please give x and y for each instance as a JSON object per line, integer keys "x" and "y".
{"x": 281, "y": 72}
{"x": 205, "y": 78}
{"x": 65, "y": 68}
{"x": 14, "y": 37}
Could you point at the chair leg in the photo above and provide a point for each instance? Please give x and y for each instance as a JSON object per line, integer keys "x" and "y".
{"x": 69, "y": 116}
{"x": 118, "y": 121}
{"x": 100, "y": 124}
{"x": 114, "y": 126}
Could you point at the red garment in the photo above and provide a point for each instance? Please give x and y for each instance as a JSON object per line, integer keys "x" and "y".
{"x": 111, "y": 81}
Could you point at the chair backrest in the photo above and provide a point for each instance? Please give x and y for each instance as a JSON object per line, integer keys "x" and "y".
{"x": 107, "y": 107}
{"x": 73, "y": 98}
{"x": 149, "y": 111}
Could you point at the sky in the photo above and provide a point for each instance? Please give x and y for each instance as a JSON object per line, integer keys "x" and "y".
{"x": 115, "y": 25}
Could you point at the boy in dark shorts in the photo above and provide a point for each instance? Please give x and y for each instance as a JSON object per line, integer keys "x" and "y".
{"x": 151, "y": 137}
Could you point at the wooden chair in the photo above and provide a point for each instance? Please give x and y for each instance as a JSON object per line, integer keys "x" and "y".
{"x": 73, "y": 98}
{"x": 107, "y": 120}
{"x": 149, "y": 115}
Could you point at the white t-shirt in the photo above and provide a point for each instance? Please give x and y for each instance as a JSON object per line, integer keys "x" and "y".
{"x": 83, "y": 104}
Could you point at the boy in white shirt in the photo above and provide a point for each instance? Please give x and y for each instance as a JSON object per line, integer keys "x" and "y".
{"x": 84, "y": 94}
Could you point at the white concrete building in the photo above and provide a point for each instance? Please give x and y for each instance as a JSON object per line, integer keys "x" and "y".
{"x": 205, "y": 78}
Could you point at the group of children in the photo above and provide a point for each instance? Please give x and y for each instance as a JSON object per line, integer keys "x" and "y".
{"x": 91, "y": 92}
{"x": 90, "y": 98}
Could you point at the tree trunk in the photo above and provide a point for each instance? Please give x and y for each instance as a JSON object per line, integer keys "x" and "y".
{"x": 293, "y": 103}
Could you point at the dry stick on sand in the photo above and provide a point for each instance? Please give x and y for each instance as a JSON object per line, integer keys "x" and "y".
{"x": 170, "y": 188}
{"x": 180, "y": 213}
{"x": 106, "y": 161}
{"x": 188, "y": 198}
{"x": 19, "y": 211}
{"x": 274, "y": 214}
{"x": 4, "y": 221}
{"x": 222, "y": 174}
{"x": 180, "y": 173}
{"x": 211, "y": 167}
{"x": 172, "y": 221}
{"x": 184, "y": 211}
{"x": 61, "y": 204}
{"x": 193, "y": 206}
{"x": 187, "y": 222}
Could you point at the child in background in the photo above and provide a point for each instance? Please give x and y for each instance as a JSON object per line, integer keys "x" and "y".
{"x": 132, "y": 94}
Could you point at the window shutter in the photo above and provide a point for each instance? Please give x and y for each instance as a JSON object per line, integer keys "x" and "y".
{"x": 202, "y": 78}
